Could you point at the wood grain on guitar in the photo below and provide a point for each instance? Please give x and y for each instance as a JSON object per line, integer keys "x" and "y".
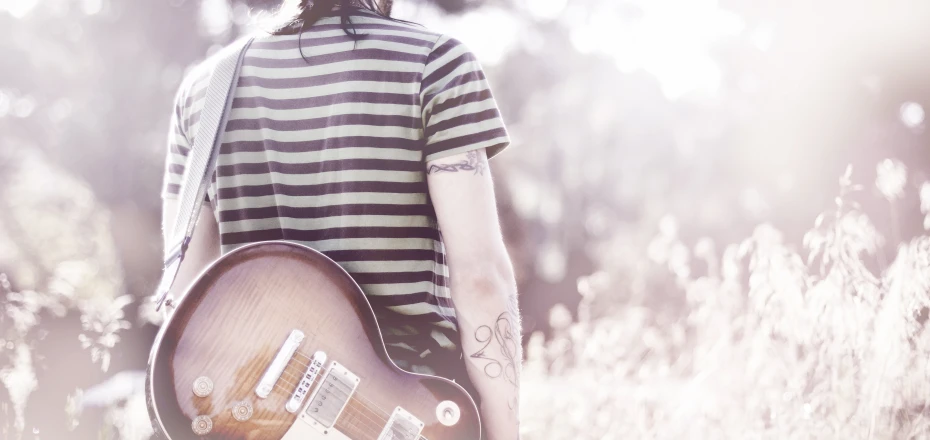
{"x": 211, "y": 356}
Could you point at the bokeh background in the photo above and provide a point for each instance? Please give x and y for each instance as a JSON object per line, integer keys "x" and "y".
{"x": 716, "y": 208}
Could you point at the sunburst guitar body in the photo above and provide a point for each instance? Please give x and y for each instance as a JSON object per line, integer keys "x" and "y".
{"x": 276, "y": 341}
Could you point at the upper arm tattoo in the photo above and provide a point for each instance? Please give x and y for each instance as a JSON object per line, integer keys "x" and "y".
{"x": 473, "y": 162}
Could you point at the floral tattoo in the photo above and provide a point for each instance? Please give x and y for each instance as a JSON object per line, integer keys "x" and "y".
{"x": 502, "y": 336}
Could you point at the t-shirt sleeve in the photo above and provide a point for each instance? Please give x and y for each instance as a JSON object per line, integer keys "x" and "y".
{"x": 180, "y": 143}
{"x": 178, "y": 148}
{"x": 459, "y": 112}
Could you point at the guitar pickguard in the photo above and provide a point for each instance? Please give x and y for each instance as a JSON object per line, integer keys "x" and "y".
{"x": 303, "y": 431}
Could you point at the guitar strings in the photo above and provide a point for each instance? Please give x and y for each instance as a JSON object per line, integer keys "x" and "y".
{"x": 372, "y": 427}
{"x": 376, "y": 428}
{"x": 358, "y": 401}
{"x": 362, "y": 422}
{"x": 380, "y": 416}
{"x": 383, "y": 412}
{"x": 319, "y": 377}
{"x": 359, "y": 405}
{"x": 317, "y": 380}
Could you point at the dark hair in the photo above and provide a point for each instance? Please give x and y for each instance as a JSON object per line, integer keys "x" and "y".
{"x": 298, "y": 15}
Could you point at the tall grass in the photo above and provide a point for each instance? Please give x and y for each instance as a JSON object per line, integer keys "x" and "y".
{"x": 774, "y": 343}
{"x": 765, "y": 342}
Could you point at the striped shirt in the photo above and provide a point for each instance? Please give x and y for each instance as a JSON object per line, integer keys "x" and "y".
{"x": 330, "y": 152}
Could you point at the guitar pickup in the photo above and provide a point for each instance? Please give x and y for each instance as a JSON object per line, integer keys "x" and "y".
{"x": 402, "y": 426}
{"x": 330, "y": 397}
{"x": 306, "y": 382}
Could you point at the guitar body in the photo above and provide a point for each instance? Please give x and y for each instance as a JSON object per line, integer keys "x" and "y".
{"x": 280, "y": 306}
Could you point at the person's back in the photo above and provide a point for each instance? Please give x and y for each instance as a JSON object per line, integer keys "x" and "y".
{"x": 329, "y": 143}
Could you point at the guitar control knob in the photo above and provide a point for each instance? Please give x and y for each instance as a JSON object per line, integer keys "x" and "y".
{"x": 202, "y": 425}
{"x": 203, "y": 386}
{"x": 242, "y": 411}
{"x": 448, "y": 412}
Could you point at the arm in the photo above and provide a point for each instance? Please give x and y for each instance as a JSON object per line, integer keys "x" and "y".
{"x": 482, "y": 284}
{"x": 203, "y": 249}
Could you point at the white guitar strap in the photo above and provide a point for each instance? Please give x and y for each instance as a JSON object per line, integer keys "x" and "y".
{"x": 202, "y": 159}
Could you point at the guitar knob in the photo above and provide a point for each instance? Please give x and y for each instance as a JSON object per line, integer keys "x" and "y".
{"x": 202, "y": 425}
{"x": 203, "y": 386}
{"x": 242, "y": 411}
{"x": 448, "y": 412}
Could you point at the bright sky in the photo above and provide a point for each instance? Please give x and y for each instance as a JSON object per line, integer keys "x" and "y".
{"x": 670, "y": 39}
{"x": 20, "y": 8}
{"x": 17, "y": 8}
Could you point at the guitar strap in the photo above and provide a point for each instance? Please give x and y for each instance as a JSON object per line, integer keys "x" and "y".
{"x": 202, "y": 159}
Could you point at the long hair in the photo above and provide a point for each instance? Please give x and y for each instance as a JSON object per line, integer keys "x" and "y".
{"x": 298, "y": 15}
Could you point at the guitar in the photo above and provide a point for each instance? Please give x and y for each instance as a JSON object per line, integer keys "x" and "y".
{"x": 276, "y": 341}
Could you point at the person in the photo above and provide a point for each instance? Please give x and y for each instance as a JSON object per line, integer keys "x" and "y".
{"x": 368, "y": 138}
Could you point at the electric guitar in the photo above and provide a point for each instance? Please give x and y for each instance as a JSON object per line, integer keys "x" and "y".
{"x": 276, "y": 341}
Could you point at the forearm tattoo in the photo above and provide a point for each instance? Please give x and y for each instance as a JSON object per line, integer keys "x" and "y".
{"x": 473, "y": 162}
{"x": 501, "y": 349}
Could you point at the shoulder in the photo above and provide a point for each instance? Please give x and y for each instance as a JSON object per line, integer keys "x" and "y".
{"x": 191, "y": 91}
{"x": 199, "y": 74}
{"x": 438, "y": 43}
{"x": 374, "y": 24}
{"x": 365, "y": 16}
{"x": 194, "y": 81}
{"x": 449, "y": 48}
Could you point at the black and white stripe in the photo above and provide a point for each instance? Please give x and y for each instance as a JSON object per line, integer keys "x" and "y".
{"x": 330, "y": 152}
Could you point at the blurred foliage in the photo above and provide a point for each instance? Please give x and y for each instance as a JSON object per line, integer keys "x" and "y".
{"x": 651, "y": 138}
{"x": 773, "y": 344}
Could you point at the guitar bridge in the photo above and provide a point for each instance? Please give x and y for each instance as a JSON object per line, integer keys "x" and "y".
{"x": 306, "y": 382}
{"x": 330, "y": 397}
